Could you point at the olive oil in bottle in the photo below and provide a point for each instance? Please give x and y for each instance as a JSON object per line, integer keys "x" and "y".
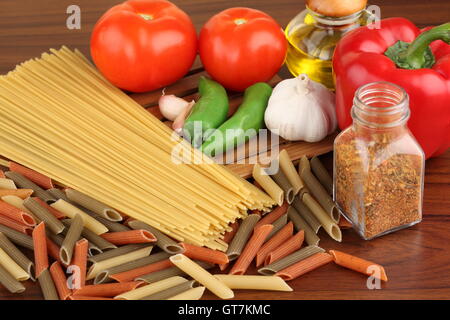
{"x": 314, "y": 33}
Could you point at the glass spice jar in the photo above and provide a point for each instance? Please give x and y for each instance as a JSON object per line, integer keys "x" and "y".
{"x": 313, "y": 34}
{"x": 378, "y": 164}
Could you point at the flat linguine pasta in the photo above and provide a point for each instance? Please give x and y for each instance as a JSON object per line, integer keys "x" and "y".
{"x": 64, "y": 120}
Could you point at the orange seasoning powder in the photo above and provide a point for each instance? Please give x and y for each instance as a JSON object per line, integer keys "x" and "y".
{"x": 378, "y": 165}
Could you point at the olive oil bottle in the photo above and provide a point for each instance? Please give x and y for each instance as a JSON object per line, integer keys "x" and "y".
{"x": 314, "y": 33}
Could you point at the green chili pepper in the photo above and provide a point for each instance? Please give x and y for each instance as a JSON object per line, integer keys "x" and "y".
{"x": 244, "y": 124}
{"x": 208, "y": 113}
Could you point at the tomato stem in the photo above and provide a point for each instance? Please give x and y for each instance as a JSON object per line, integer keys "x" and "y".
{"x": 146, "y": 16}
{"x": 240, "y": 21}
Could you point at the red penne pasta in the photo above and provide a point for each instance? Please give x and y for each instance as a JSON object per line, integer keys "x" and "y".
{"x": 228, "y": 236}
{"x": 292, "y": 244}
{"x": 359, "y": 265}
{"x": 88, "y": 298}
{"x": 129, "y": 237}
{"x": 204, "y": 254}
{"x": 108, "y": 290}
{"x": 134, "y": 273}
{"x": 16, "y": 214}
{"x": 304, "y": 266}
{"x": 274, "y": 215}
{"x": 40, "y": 249}
{"x": 60, "y": 281}
{"x": 280, "y": 237}
{"x": 15, "y": 225}
{"x": 252, "y": 247}
{"x": 21, "y": 193}
{"x": 58, "y": 214}
{"x": 80, "y": 255}
{"x": 53, "y": 250}
{"x": 38, "y": 178}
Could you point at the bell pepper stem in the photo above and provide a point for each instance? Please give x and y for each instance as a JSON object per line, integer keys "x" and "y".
{"x": 415, "y": 55}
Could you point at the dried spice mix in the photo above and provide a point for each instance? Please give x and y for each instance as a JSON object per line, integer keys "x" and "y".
{"x": 378, "y": 180}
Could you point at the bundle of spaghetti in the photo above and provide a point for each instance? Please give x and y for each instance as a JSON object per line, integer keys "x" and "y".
{"x": 64, "y": 120}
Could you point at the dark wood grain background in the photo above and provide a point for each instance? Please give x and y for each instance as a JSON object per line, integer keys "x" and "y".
{"x": 417, "y": 260}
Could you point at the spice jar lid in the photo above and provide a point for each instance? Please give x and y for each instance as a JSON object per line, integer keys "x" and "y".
{"x": 336, "y": 8}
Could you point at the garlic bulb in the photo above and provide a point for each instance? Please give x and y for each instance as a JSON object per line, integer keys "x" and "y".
{"x": 301, "y": 109}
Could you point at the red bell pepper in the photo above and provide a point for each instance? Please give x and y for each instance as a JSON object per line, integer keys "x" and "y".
{"x": 420, "y": 63}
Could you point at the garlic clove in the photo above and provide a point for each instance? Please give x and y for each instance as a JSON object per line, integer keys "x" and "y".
{"x": 171, "y": 106}
{"x": 178, "y": 124}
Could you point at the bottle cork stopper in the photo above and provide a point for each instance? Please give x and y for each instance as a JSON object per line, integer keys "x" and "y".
{"x": 336, "y": 8}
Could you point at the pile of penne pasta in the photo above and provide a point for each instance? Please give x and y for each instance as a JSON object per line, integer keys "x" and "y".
{"x": 85, "y": 250}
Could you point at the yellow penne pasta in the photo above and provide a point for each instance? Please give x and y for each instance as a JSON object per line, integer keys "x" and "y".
{"x": 18, "y": 203}
{"x": 202, "y": 276}
{"x": 7, "y": 184}
{"x": 191, "y": 294}
{"x": 267, "y": 183}
{"x": 71, "y": 211}
{"x": 12, "y": 267}
{"x": 289, "y": 170}
{"x": 152, "y": 288}
{"x": 250, "y": 282}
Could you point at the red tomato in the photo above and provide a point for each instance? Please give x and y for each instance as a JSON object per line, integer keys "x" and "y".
{"x": 143, "y": 45}
{"x": 242, "y": 46}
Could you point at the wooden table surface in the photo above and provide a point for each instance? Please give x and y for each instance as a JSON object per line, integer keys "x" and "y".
{"x": 417, "y": 259}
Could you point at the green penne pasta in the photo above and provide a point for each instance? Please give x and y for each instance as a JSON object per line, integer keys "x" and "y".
{"x": 242, "y": 235}
{"x": 117, "y": 252}
{"x": 43, "y": 214}
{"x": 93, "y": 238}
{"x": 277, "y": 225}
{"x": 103, "y": 276}
{"x": 163, "y": 241}
{"x": 58, "y": 194}
{"x": 47, "y": 286}
{"x": 317, "y": 190}
{"x": 311, "y": 237}
{"x": 24, "y": 183}
{"x": 72, "y": 236}
{"x": 111, "y": 225}
{"x": 93, "y": 205}
{"x": 93, "y": 250}
{"x": 326, "y": 221}
{"x": 306, "y": 214}
{"x": 17, "y": 255}
{"x": 281, "y": 179}
{"x": 17, "y": 238}
{"x": 294, "y": 257}
{"x": 322, "y": 174}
